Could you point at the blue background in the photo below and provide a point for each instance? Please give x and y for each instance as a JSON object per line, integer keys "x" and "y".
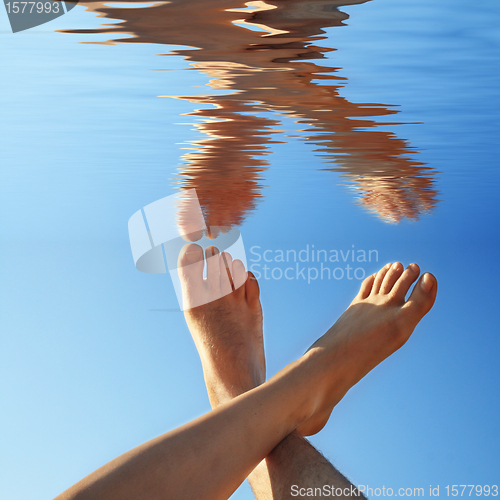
{"x": 89, "y": 367}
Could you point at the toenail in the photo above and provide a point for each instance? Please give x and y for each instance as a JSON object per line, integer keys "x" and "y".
{"x": 193, "y": 256}
{"x": 427, "y": 283}
{"x": 414, "y": 267}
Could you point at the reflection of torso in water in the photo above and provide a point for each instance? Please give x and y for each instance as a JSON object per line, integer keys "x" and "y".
{"x": 271, "y": 71}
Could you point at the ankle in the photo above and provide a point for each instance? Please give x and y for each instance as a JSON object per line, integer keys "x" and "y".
{"x": 301, "y": 384}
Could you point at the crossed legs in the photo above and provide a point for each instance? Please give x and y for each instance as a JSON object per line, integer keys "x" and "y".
{"x": 209, "y": 457}
{"x": 228, "y": 335}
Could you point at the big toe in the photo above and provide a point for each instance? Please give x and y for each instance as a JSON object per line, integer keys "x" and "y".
{"x": 190, "y": 266}
{"x": 252, "y": 291}
{"x": 422, "y": 297}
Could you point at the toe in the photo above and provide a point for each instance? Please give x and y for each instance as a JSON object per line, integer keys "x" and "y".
{"x": 239, "y": 277}
{"x": 402, "y": 285}
{"x": 226, "y": 279}
{"x": 190, "y": 268}
{"x": 366, "y": 287}
{"x": 422, "y": 297}
{"x": 213, "y": 266}
{"x": 380, "y": 278}
{"x": 252, "y": 291}
{"x": 391, "y": 277}
{"x": 190, "y": 263}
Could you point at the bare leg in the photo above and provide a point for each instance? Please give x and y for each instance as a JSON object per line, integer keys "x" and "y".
{"x": 295, "y": 466}
{"x": 209, "y": 457}
{"x": 228, "y": 335}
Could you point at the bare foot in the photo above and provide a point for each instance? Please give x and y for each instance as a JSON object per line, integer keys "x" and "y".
{"x": 227, "y": 331}
{"x": 378, "y": 322}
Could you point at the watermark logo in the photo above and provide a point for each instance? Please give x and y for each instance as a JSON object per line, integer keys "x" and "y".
{"x": 160, "y": 230}
{"x": 365, "y": 491}
{"x": 28, "y": 14}
{"x": 310, "y": 264}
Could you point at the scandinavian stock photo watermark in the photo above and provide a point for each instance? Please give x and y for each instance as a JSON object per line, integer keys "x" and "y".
{"x": 310, "y": 263}
{"x": 160, "y": 231}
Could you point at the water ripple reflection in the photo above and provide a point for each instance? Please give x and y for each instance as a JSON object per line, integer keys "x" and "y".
{"x": 268, "y": 56}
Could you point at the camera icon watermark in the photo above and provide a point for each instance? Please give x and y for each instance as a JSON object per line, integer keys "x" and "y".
{"x": 24, "y": 15}
{"x": 159, "y": 232}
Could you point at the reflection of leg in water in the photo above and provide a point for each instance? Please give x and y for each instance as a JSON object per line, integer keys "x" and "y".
{"x": 209, "y": 457}
{"x": 226, "y": 165}
{"x": 274, "y": 72}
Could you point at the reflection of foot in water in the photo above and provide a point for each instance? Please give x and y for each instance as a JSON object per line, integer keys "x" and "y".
{"x": 395, "y": 198}
{"x": 273, "y": 72}
{"x": 225, "y": 167}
